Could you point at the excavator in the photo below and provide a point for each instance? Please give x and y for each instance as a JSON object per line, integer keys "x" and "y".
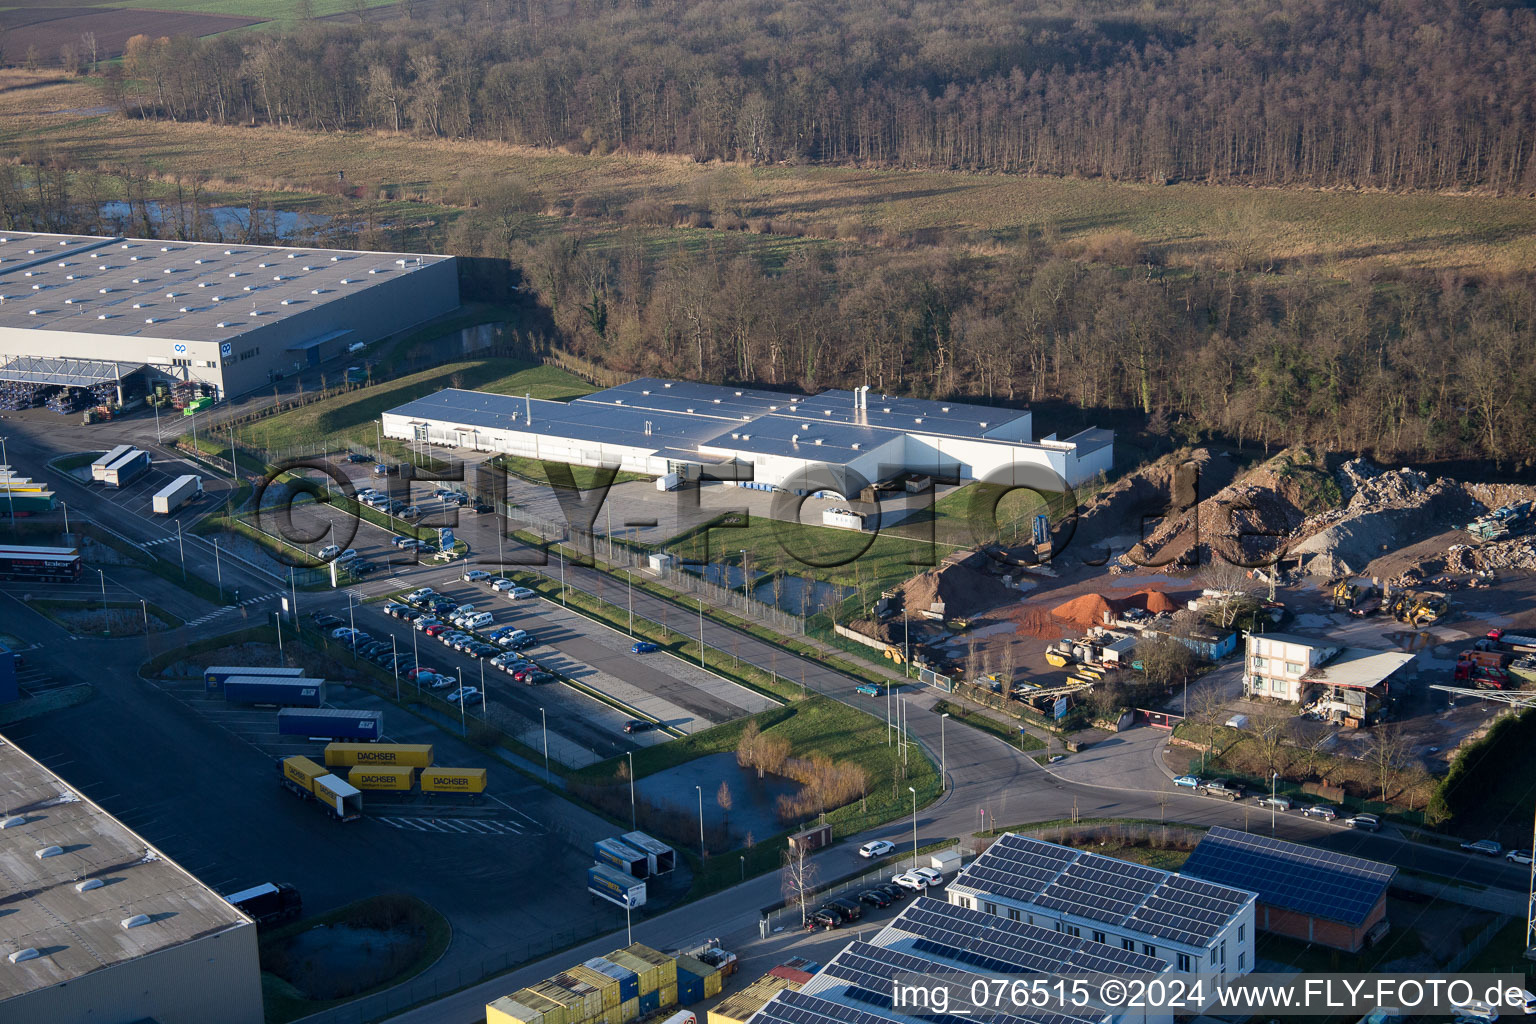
{"x": 1356, "y": 598}
{"x": 1418, "y": 607}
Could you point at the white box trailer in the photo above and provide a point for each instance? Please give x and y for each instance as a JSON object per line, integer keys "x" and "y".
{"x": 669, "y": 481}
{"x": 99, "y": 467}
{"x": 177, "y": 493}
{"x": 842, "y": 518}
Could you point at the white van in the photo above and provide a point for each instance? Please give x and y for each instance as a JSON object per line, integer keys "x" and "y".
{"x": 479, "y": 620}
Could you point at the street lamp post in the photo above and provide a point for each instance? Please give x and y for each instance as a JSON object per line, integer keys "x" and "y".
{"x": 394, "y": 661}
{"x": 352, "y": 618}
{"x": 278, "y": 617}
{"x": 943, "y": 757}
{"x": 9, "y": 494}
{"x": 701, "y": 819}
{"x": 631, "y": 579}
{"x": 701, "y": 632}
{"x": 913, "y": 791}
{"x": 416, "y": 661}
{"x": 743, "y": 868}
{"x": 181, "y": 547}
{"x": 1274, "y": 777}
{"x": 103, "y": 576}
{"x": 218, "y": 569}
{"x": 633, "y": 820}
{"x": 545, "y": 721}
{"x": 65, "y": 506}
{"x": 144, "y": 606}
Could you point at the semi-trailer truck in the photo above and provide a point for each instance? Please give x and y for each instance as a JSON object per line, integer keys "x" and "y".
{"x": 330, "y": 723}
{"x": 615, "y": 886}
{"x": 279, "y": 691}
{"x": 99, "y": 467}
{"x": 309, "y": 781}
{"x": 214, "y": 675}
{"x": 269, "y": 903}
{"x": 126, "y": 469}
{"x": 392, "y": 755}
{"x": 177, "y": 493}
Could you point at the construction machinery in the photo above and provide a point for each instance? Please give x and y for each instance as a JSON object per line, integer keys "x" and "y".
{"x": 1507, "y": 521}
{"x": 1417, "y": 608}
{"x": 1357, "y": 597}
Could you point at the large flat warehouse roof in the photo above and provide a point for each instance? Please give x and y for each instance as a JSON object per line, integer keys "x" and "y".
{"x": 180, "y": 291}
{"x": 53, "y": 845}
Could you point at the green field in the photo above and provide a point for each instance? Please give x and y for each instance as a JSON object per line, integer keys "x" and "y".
{"x": 351, "y": 417}
{"x": 1182, "y": 224}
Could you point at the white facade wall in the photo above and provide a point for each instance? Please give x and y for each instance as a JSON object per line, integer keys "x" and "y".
{"x": 1273, "y": 667}
{"x": 213, "y": 978}
{"x": 1020, "y": 429}
{"x": 529, "y": 445}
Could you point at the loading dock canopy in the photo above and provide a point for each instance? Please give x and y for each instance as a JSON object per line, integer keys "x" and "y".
{"x": 74, "y": 373}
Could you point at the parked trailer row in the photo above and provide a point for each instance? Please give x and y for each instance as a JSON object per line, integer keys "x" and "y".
{"x": 395, "y": 755}
{"x": 280, "y": 691}
{"x": 177, "y": 493}
{"x": 310, "y": 781}
{"x": 214, "y": 675}
{"x": 330, "y": 723}
{"x": 126, "y": 469}
{"x": 433, "y": 780}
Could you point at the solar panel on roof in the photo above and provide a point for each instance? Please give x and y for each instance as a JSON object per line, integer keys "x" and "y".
{"x": 1321, "y": 883}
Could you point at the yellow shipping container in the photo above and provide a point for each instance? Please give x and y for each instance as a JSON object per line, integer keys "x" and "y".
{"x": 453, "y": 780}
{"x": 507, "y": 1010}
{"x": 589, "y": 998}
{"x": 713, "y": 984}
{"x": 609, "y": 987}
{"x": 647, "y": 973}
{"x": 302, "y": 771}
{"x": 392, "y": 755}
{"x": 665, "y": 966}
{"x": 552, "y": 1012}
{"x": 628, "y": 1011}
{"x": 669, "y": 995}
{"x": 395, "y": 779}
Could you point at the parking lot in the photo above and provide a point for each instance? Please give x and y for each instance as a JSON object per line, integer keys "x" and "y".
{"x": 671, "y": 692}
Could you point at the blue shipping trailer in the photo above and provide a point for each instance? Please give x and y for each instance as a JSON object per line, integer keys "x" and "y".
{"x": 214, "y": 675}
{"x": 622, "y": 856}
{"x": 330, "y": 723}
{"x": 126, "y": 469}
{"x": 284, "y": 691}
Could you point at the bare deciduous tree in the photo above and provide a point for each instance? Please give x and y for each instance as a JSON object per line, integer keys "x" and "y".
{"x": 797, "y": 880}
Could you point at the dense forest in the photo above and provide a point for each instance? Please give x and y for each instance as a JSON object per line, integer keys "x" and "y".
{"x": 1397, "y": 94}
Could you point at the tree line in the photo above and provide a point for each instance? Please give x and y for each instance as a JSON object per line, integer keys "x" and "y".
{"x": 1407, "y": 365}
{"x": 1393, "y": 94}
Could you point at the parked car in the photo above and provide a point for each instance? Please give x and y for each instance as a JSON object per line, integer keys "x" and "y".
{"x": 876, "y": 848}
{"x": 442, "y": 682}
{"x": 437, "y": 629}
{"x": 358, "y": 457}
{"x": 933, "y": 875}
{"x": 410, "y": 614}
{"x": 483, "y": 507}
{"x": 475, "y": 576}
{"x": 892, "y": 890}
{"x": 423, "y": 594}
{"x": 421, "y": 673}
{"x": 1279, "y": 803}
{"x": 426, "y": 622}
{"x": 1487, "y": 847}
{"x": 875, "y": 898}
{"x": 501, "y": 584}
{"x": 521, "y": 593}
{"x": 323, "y": 621}
{"x": 868, "y": 689}
{"x": 1519, "y": 857}
{"x": 1327, "y": 812}
{"x": 381, "y": 470}
{"x": 823, "y": 919}
{"x": 393, "y": 609}
{"x": 410, "y": 512}
{"x": 635, "y": 725}
{"x": 462, "y": 695}
{"x": 1230, "y": 790}
{"x": 537, "y": 676}
{"x": 443, "y": 605}
{"x": 342, "y": 633}
{"x": 643, "y": 647}
{"x": 1368, "y": 822}
{"x": 910, "y": 880}
{"x": 1189, "y": 781}
{"x": 850, "y": 909}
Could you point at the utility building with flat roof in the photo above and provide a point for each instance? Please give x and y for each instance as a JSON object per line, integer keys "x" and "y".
{"x": 79, "y": 311}
{"x": 98, "y": 926}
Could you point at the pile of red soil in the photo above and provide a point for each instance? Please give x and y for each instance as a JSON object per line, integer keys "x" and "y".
{"x": 1085, "y": 611}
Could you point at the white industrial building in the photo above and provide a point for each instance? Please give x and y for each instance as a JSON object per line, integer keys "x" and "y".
{"x": 80, "y": 311}
{"x": 1196, "y": 925}
{"x": 836, "y": 441}
{"x": 931, "y": 943}
{"x": 98, "y": 926}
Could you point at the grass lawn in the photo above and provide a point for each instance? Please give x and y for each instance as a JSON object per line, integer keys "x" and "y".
{"x": 350, "y": 417}
{"x": 1181, "y": 222}
{"x": 844, "y": 557}
{"x": 284, "y": 11}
